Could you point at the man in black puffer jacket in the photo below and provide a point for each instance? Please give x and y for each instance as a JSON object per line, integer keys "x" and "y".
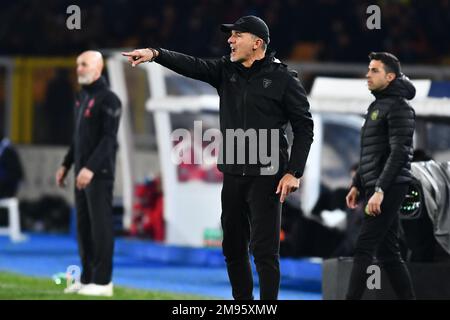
{"x": 384, "y": 174}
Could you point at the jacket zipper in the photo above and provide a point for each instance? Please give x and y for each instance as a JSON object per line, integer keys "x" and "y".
{"x": 245, "y": 116}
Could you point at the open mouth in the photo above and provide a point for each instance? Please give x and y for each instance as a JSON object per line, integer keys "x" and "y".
{"x": 233, "y": 50}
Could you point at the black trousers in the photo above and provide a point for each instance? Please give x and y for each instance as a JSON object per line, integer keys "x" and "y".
{"x": 379, "y": 236}
{"x": 251, "y": 219}
{"x": 95, "y": 231}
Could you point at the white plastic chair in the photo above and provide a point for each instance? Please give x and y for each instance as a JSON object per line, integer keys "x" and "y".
{"x": 13, "y": 228}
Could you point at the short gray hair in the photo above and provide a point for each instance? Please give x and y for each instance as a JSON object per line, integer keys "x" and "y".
{"x": 264, "y": 45}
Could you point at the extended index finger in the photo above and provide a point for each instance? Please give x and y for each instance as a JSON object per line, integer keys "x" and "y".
{"x": 129, "y": 53}
{"x": 284, "y": 191}
{"x": 278, "y": 187}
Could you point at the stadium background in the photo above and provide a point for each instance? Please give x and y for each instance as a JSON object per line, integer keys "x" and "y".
{"x": 37, "y": 83}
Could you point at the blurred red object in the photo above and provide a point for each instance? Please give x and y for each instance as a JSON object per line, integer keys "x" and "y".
{"x": 148, "y": 211}
{"x": 205, "y": 171}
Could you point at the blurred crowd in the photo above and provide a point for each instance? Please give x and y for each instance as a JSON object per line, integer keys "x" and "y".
{"x": 323, "y": 30}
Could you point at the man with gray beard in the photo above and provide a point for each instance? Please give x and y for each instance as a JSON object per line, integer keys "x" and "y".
{"x": 93, "y": 151}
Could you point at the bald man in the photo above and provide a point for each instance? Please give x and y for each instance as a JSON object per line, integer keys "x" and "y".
{"x": 93, "y": 151}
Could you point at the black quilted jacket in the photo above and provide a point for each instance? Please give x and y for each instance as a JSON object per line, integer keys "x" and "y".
{"x": 387, "y": 138}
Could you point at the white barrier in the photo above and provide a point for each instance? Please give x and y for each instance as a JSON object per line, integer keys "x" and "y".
{"x": 13, "y": 228}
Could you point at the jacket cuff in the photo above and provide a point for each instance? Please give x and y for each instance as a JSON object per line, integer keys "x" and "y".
{"x": 160, "y": 54}
{"x": 295, "y": 173}
{"x": 356, "y": 182}
{"x": 382, "y": 185}
{"x": 91, "y": 166}
{"x": 66, "y": 164}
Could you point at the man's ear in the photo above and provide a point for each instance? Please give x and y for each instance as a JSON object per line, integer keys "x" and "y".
{"x": 257, "y": 44}
{"x": 390, "y": 76}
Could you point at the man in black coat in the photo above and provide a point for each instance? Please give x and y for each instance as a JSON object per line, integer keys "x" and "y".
{"x": 383, "y": 175}
{"x": 93, "y": 151}
{"x": 11, "y": 171}
{"x": 257, "y": 92}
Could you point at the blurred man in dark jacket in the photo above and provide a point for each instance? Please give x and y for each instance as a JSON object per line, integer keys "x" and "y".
{"x": 11, "y": 171}
{"x": 383, "y": 175}
{"x": 93, "y": 151}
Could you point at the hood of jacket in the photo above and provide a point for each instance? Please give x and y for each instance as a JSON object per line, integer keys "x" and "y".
{"x": 399, "y": 87}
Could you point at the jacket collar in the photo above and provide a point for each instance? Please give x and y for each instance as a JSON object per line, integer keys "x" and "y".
{"x": 269, "y": 57}
{"x": 400, "y": 87}
{"x": 96, "y": 86}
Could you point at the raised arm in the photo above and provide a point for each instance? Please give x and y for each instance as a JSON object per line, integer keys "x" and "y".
{"x": 207, "y": 70}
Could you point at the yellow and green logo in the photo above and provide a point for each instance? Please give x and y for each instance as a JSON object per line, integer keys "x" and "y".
{"x": 374, "y": 115}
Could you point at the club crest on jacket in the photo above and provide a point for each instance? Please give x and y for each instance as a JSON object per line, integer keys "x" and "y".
{"x": 374, "y": 115}
{"x": 87, "y": 112}
{"x": 266, "y": 83}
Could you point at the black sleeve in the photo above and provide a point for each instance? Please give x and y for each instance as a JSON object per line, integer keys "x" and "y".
{"x": 297, "y": 107}
{"x": 110, "y": 117}
{"x": 11, "y": 173}
{"x": 13, "y": 170}
{"x": 68, "y": 158}
{"x": 401, "y": 123}
{"x": 356, "y": 181}
{"x": 207, "y": 70}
